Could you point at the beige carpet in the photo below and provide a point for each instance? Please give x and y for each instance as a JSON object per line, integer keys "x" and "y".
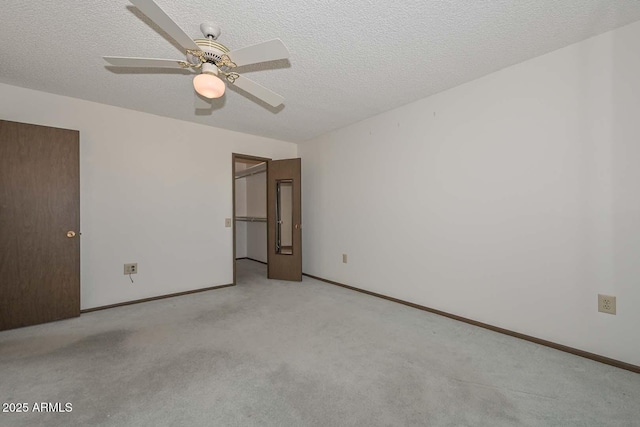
{"x": 271, "y": 353}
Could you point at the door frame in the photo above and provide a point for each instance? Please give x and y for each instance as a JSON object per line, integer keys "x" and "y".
{"x": 235, "y": 156}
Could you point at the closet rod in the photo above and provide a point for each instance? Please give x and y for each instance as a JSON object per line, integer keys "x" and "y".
{"x": 251, "y": 219}
{"x": 259, "y": 168}
{"x": 249, "y": 174}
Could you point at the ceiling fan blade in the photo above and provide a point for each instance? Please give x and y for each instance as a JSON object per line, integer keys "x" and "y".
{"x": 258, "y": 91}
{"x": 261, "y": 52}
{"x": 143, "y": 62}
{"x": 200, "y": 102}
{"x": 157, "y": 15}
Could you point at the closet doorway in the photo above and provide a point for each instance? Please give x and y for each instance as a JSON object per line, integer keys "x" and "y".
{"x": 267, "y": 217}
{"x": 249, "y": 214}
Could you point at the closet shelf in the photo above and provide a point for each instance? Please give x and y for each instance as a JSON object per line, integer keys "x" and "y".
{"x": 251, "y": 219}
{"x": 253, "y": 170}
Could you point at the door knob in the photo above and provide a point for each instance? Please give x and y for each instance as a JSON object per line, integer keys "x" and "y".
{"x": 71, "y": 234}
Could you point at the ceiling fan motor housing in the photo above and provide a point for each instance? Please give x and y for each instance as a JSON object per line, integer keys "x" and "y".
{"x": 213, "y": 50}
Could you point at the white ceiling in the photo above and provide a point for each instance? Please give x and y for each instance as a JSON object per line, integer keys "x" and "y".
{"x": 349, "y": 59}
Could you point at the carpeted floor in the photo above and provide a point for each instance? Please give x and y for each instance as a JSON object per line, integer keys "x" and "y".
{"x": 272, "y": 353}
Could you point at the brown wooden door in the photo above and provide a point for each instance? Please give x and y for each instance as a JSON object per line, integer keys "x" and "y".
{"x": 284, "y": 219}
{"x": 39, "y": 205}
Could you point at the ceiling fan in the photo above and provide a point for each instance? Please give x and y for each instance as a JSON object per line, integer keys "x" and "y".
{"x": 211, "y": 58}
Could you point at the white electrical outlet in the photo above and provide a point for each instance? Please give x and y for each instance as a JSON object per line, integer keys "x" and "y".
{"x": 131, "y": 268}
{"x": 606, "y": 304}
{"x": 344, "y": 258}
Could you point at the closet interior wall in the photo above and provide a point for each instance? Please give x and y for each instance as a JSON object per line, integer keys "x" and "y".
{"x": 251, "y": 202}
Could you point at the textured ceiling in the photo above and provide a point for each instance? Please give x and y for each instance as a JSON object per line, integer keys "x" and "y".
{"x": 349, "y": 59}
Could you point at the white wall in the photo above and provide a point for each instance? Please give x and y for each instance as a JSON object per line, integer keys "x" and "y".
{"x": 257, "y": 241}
{"x": 153, "y": 190}
{"x": 241, "y": 239}
{"x": 512, "y": 200}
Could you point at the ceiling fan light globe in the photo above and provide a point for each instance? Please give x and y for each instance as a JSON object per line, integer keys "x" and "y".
{"x": 208, "y": 85}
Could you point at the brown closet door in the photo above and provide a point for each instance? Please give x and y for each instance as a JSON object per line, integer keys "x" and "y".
{"x": 39, "y": 224}
{"x": 284, "y": 219}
